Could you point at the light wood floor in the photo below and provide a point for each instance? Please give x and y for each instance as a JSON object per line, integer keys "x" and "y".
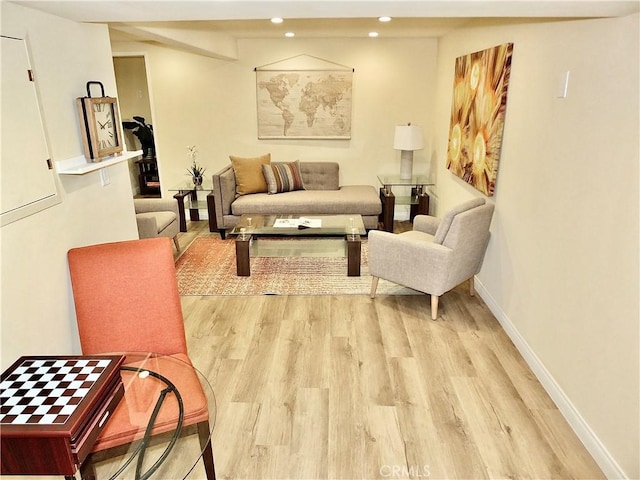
{"x": 346, "y": 387}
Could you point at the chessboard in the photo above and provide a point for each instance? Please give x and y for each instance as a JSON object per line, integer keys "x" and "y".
{"x": 47, "y": 391}
{"x": 52, "y": 409}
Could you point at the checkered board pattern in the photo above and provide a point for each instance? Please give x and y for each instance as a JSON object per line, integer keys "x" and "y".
{"x": 47, "y": 391}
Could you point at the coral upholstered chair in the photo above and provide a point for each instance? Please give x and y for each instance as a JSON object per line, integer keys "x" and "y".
{"x": 126, "y": 298}
{"x": 436, "y": 255}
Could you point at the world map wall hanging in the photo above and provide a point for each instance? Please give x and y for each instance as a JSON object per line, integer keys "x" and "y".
{"x": 478, "y": 109}
{"x": 304, "y": 98}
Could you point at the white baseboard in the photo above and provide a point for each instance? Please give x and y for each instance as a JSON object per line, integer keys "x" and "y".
{"x": 582, "y": 429}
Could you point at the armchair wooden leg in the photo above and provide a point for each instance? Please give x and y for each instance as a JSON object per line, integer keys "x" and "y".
{"x": 472, "y": 289}
{"x": 374, "y": 286}
{"x": 175, "y": 241}
{"x": 204, "y": 435}
{"x": 434, "y": 307}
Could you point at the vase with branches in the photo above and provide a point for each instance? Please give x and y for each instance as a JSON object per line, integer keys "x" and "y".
{"x": 196, "y": 171}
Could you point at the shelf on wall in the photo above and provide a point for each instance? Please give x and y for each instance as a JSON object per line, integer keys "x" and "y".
{"x": 80, "y": 166}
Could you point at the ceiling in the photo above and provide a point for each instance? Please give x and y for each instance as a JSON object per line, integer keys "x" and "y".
{"x": 167, "y": 10}
{"x": 197, "y": 25}
{"x": 318, "y": 27}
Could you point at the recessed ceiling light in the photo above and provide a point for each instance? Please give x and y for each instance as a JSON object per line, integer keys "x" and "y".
{"x": 276, "y": 20}
{"x": 290, "y": 34}
{"x": 384, "y": 19}
{"x": 373, "y": 34}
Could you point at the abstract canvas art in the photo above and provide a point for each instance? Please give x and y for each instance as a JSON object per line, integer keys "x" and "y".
{"x": 477, "y": 116}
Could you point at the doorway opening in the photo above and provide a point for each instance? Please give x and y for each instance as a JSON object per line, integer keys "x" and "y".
{"x": 137, "y": 122}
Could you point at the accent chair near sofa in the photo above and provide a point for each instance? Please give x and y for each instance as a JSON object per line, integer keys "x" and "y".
{"x": 157, "y": 217}
{"x": 436, "y": 255}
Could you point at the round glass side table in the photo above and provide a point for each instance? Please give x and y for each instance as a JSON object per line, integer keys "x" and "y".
{"x": 162, "y": 426}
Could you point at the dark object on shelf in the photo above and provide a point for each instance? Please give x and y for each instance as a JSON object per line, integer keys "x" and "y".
{"x": 148, "y": 177}
{"x": 144, "y": 133}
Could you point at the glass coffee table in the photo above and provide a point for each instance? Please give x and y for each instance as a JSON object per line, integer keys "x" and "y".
{"x": 324, "y": 235}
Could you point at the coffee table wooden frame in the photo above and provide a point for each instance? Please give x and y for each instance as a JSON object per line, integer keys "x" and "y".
{"x": 243, "y": 240}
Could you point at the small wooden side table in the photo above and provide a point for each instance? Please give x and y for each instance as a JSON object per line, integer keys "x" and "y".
{"x": 53, "y": 409}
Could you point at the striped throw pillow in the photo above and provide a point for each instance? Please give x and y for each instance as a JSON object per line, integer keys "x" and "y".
{"x": 283, "y": 177}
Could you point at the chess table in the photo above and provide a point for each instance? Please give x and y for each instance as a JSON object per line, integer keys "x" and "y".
{"x": 52, "y": 410}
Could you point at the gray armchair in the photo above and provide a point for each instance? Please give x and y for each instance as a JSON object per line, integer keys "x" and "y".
{"x": 436, "y": 255}
{"x": 157, "y": 217}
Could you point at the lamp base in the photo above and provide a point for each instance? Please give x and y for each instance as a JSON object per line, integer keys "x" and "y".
{"x": 406, "y": 164}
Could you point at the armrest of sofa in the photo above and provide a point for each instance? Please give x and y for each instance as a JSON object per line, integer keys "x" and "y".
{"x": 224, "y": 191}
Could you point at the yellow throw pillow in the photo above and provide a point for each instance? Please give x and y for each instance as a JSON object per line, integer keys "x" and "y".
{"x": 249, "y": 176}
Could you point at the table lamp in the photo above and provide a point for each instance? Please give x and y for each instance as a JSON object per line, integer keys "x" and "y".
{"x": 407, "y": 139}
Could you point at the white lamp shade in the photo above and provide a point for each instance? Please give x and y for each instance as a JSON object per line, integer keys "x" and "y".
{"x": 408, "y": 137}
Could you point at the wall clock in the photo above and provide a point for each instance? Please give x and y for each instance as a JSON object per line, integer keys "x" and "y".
{"x": 100, "y": 125}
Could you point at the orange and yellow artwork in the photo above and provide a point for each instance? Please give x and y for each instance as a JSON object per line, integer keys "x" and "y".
{"x": 477, "y": 116}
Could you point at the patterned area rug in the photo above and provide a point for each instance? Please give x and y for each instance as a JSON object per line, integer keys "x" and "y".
{"x": 208, "y": 267}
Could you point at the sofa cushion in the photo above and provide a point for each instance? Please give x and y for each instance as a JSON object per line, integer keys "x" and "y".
{"x": 249, "y": 176}
{"x": 357, "y": 199}
{"x": 283, "y": 177}
{"x": 320, "y": 175}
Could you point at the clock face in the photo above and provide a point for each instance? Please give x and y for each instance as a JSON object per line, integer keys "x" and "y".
{"x": 100, "y": 122}
{"x": 105, "y": 125}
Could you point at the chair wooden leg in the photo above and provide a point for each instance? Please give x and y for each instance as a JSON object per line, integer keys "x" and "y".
{"x": 374, "y": 286}
{"x": 434, "y": 307}
{"x": 472, "y": 289}
{"x": 204, "y": 435}
{"x": 175, "y": 241}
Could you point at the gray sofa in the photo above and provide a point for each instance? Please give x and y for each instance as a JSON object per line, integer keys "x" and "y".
{"x": 323, "y": 194}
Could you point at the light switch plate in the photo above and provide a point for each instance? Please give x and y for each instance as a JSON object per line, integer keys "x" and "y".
{"x": 104, "y": 177}
{"x": 563, "y": 85}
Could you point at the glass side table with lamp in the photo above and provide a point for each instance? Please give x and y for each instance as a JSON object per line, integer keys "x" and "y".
{"x": 407, "y": 138}
{"x": 418, "y": 199}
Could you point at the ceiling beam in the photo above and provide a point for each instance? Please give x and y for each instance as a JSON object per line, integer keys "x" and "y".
{"x": 209, "y": 44}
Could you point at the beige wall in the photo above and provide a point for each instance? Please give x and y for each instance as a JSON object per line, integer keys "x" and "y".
{"x": 561, "y": 271}
{"x": 37, "y": 308}
{"x": 212, "y": 104}
{"x": 133, "y": 95}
